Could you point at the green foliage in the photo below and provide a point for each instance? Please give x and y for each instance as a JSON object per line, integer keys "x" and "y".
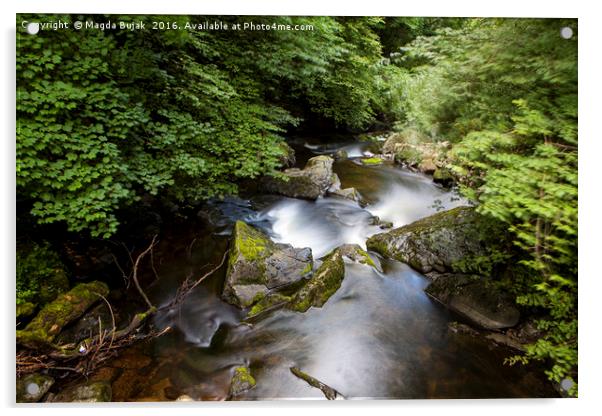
{"x": 506, "y": 92}
{"x": 105, "y": 117}
{"x": 40, "y": 275}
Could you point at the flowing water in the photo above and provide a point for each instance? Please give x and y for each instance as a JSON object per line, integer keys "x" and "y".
{"x": 378, "y": 336}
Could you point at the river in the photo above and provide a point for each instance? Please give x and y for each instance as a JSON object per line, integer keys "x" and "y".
{"x": 379, "y": 336}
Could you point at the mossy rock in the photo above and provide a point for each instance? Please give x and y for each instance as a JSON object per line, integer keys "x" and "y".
{"x": 408, "y": 155}
{"x": 257, "y": 266}
{"x": 322, "y": 285}
{"x": 90, "y": 392}
{"x": 475, "y": 298}
{"x": 310, "y": 182}
{"x": 267, "y": 303}
{"x": 242, "y": 381}
{"x": 444, "y": 177}
{"x": 449, "y": 241}
{"x": 66, "y": 308}
{"x": 25, "y": 309}
{"x": 357, "y": 254}
{"x": 33, "y": 387}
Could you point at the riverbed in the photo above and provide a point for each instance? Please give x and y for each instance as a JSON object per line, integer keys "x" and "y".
{"x": 378, "y": 337}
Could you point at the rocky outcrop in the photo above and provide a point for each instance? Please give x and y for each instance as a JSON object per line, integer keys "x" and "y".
{"x": 90, "y": 392}
{"x": 32, "y": 387}
{"x": 416, "y": 151}
{"x": 476, "y": 299}
{"x": 257, "y": 266}
{"x": 444, "y": 242}
{"x": 65, "y": 309}
{"x": 310, "y": 182}
{"x": 356, "y": 254}
{"x": 322, "y": 285}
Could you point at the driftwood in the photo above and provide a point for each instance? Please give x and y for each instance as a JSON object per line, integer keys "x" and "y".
{"x": 329, "y": 392}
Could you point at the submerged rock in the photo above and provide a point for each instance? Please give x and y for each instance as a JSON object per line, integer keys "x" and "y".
{"x": 241, "y": 381}
{"x": 322, "y": 285}
{"x": 65, "y": 309}
{"x": 33, "y": 387}
{"x": 90, "y": 392}
{"x": 341, "y": 154}
{"x": 257, "y": 265}
{"x": 476, "y": 299}
{"x": 443, "y": 242}
{"x": 310, "y": 182}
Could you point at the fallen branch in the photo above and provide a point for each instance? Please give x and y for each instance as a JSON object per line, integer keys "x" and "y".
{"x": 329, "y": 392}
{"x": 135, "y": 272}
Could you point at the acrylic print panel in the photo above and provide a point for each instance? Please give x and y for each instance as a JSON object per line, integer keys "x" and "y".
{"x": 273, "y": 207}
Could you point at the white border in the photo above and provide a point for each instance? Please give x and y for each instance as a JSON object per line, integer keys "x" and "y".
{"x": 590, "y": 204}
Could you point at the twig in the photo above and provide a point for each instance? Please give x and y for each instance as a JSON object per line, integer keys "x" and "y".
{"x": 135, "y": 272}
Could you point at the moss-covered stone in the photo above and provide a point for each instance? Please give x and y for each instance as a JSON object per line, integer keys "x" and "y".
{"x": 287, "y": 158}
{"x": 268, "y": 302}
{"x": 90, "y": 392}
{"x": 355, "y": 253}
{"x": 310, "y": 182}
{"x": 323, "y": 284}
{"x": 256, "y": 266}
{"x": 449, "y": 241}
{"x": 444, "y": 177}
{"x": 33, "y": 387}
{"x": 25, "y": 309}
{"x": 53, "y": 317}
{"x": 242, "y": 380}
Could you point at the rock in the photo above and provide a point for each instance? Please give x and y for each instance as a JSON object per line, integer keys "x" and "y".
{"x": 98, "y": 391}
{"x": 350, "y": 193}
{"x": 444, "y": 242}
{"x": 184, "y": 398}
{"x": 269, "y": 302}
{"x": 427, "y": 166}
{"x": 311, "y": 182}
{"x": 31, "y": 388}
{"x": 257, "y": 266}
{"x": 443, "y": 177}
{"x": 87, "y": 325}
{"x": 287, "y": 159}
{"x": 341, "y": 154}
{"x": 356, "y": 254}
{"x": 336, "y": 184}
{"x": 65, "y": 309}
{"x": 241, "y": 381}
{"x": 322, "y": 285}
{"x": 25, "y": 309}
{"x": 458, "y": 328}
{"x": 476, "y": 299}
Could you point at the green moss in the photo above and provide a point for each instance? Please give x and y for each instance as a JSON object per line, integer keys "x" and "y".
{"x": 250, "y": 243}
{"x": 366, "y": 259}
{"x": 323, "y": 284}
{"x": 41, "y": 276}
{"x": 268, "y": 302}
{"x": 372, "y": 161}
{"x": 241, "y": 381}
{"x": 25, "y": 309}
{"x": 307, "y": 270}
{"x": 408, "y": 155}
{"x": 56, "y": 315}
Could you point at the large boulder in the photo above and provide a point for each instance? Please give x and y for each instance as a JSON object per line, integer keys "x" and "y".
{"x": 322, "y": 285}
{"x": 310, "y": 182}
{"x": 476, "y": 299}
{"x": 66, "y": 308}
{"x": 257, "y": 266}
{"x": 413, "y": 149}
{"x": 447, "y": 241}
